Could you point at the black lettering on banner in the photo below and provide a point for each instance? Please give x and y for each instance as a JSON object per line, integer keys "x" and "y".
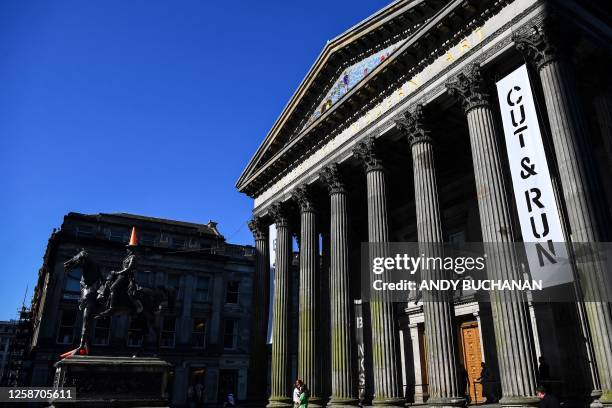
{"x": 542, "y": 252}
{"x": 522, "y": 110}
{"x": 535, "y": 199}
{"x": 545, "y": 224}
{"x": 529, "y": 169}
{"x": 519, "y": 131}
{"x": 520, "y": 98}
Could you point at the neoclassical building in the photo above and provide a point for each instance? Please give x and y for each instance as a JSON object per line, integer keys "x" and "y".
{"x": 396, "y": 135}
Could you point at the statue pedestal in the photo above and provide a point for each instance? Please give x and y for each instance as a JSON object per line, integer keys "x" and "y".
{"x": 102, "y": 381}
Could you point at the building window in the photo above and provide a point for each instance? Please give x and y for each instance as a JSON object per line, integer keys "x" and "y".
{"x": 145, "y": 278}
{"x": 168, "y": 329}
{"x": 233, "y": 289}
{"x": 198, "y": 333}
{"x": 457, "y": 240}
{"x": 101, "y": 332}
{"x": 135, "y": 334}
{"x": 173, "y": 281}
{"x": 230, "y": 333}
{"x": 178, "y": 243}
{"x": 117, "y": 235}
{"x": 202, "y": 285}
{"x": 147, "y": 239}
{"x": 72, "y": 285}
{"x": 65, "y": 332}
{"x": 84, "y": 230}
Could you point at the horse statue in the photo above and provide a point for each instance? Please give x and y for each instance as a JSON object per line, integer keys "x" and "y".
{"x": 106, "y": 297}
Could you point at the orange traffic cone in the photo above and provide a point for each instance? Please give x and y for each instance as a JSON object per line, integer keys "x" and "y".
{"x": 133, "y": 238}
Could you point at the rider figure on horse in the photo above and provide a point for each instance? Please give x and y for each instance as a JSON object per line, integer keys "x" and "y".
{"x": 123, "y": 281}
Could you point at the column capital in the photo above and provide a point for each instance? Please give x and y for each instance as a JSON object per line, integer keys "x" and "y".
{"x": 368, "y": 153}
{"x": 258, "y": 228}
{"x": 280, "y": 214}
{"x": 539, "y": 43}
{"x": 333, "y": 178}
{"x": 412, "y": 124}
{"x": 304, "y": 198}
{"x": 468, "y": 88}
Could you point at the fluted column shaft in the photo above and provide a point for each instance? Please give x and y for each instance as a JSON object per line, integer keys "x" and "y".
{"x": 308, "y": 363}
{"x": 280, "y": 381}
{"x": 438, "y": 309}
{"x": 510, "y": 314}
{"x": 387, "y": 386}
{"x": 257, "y": 384}
{"x": 344, "y": 390}
{"x": 579, "y": 183}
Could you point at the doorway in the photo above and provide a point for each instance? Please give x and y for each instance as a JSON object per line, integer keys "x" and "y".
{"x": 228, "y": 381}
{"x": 471, "y": 356}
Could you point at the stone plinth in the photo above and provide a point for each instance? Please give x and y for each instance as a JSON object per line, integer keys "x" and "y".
{"x": 113, "y": 381}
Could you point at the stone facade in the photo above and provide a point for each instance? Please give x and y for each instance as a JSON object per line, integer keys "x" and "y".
{"x": 7, "y": 335}
{"x": 412, "y": 152}
{"x": 206, "y": 338}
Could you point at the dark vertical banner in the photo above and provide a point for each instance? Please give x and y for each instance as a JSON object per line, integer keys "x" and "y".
{"x": 359, "y": 340}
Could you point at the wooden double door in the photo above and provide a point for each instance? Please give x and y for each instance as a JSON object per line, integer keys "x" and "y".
{"x": 471, "y": 356}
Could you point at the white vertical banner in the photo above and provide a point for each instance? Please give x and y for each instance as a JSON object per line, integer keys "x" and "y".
{"x": 533, "y": 191}
{"x": 272, "y": 246}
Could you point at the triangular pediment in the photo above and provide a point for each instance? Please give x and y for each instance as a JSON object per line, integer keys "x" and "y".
{"x": 343, "y": 64}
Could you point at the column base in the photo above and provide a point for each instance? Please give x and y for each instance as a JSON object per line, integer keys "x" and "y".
{"x": 389, "y": 402}
{"x": 343, "y": 402}
{"x": 254, "y": 403}
{"x": 596, "y": 395}
{"x": 519, "y": 402}
{"x": 278, "y": 402}
{"x": 316, "y": 402}
{"x": 605, "y": 399}
{"x": 446, "y": 402}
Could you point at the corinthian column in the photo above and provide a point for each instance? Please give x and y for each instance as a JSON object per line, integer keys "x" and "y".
{"x": 510, "y": 314}
{"x": 280, "y": 381}
{"x": 308, "y": 356}
{"x": 387, "y": 387}
{"x": 257, "y": 384}
{"x": 579, "y": 183}
{"x": 343, "y": 385}
{"x": 438, "y": 309}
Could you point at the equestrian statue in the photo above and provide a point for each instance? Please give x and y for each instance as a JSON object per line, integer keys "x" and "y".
{"x": 118, "y": 293}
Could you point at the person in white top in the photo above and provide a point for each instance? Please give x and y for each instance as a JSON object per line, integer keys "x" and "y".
{"x": 296, "y": 393}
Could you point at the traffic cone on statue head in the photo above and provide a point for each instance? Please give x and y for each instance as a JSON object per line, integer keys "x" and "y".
{"x": 133, "y": 238}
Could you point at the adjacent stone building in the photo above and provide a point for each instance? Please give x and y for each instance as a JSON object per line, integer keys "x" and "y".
{"x": 207, "y": 336}
{"x": 8, "y": 329}
{"x": 395, "y": 134}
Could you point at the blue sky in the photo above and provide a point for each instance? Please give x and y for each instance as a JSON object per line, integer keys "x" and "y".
{"x": 147, "y": 107}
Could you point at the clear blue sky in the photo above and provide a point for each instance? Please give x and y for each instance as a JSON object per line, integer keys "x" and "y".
{"x": 147, "y": 107}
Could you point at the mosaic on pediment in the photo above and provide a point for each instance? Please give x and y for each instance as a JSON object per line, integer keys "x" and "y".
{"x": 349, "y": 78}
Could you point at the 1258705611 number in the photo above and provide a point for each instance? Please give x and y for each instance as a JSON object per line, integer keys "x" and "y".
{"x": 35, "y": 394}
